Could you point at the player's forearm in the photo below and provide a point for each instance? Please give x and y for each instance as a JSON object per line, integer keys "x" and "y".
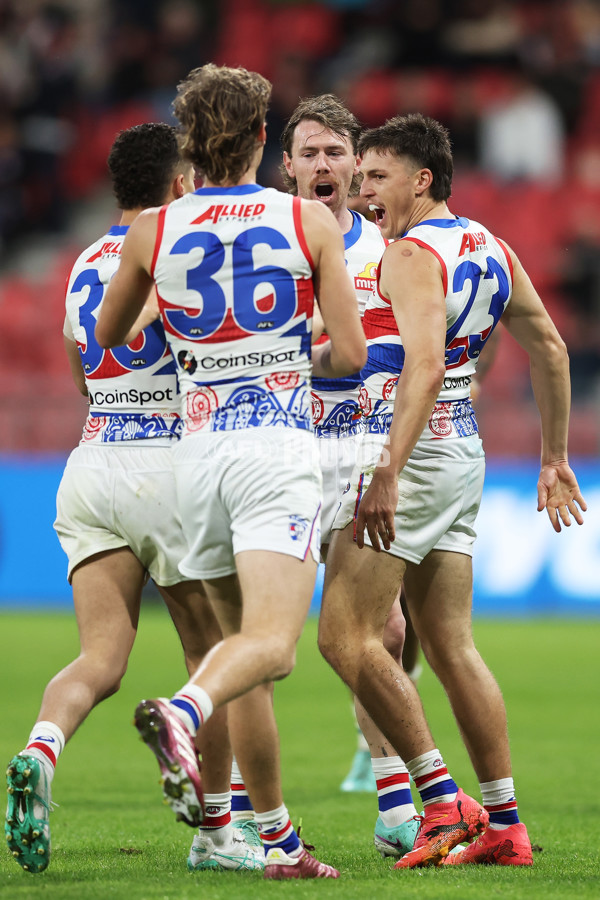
{"x": 329, "y": 361}
{"x": 552, "y": 391}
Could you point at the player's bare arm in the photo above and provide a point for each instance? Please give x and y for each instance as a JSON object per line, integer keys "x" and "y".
{"x": 346, "y": 352}
{"x": 318, "y": 325}
{"x": 131, "y": 285}
{"x": 527, "y": 319}
{"x": 147, "y": 316}
{"x": 411, "y": 279}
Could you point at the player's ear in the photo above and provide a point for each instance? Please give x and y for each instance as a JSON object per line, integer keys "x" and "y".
{"x": 289, "y": 166}
{"x": 424, "y": 180}
{"x": 262, "y": 134}
{"x": 178, "y": 187}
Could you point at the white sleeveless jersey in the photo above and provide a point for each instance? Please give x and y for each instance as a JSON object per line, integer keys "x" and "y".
{"x": 132, "y": 389}
{"x": 477, "y": 277}
{"x": 336, "y": 408}
{"x": 234, "y": 279}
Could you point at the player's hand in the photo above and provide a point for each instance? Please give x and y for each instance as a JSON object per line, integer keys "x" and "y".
{"x": 558, "y": 493}
{"x": 377, "y": 509}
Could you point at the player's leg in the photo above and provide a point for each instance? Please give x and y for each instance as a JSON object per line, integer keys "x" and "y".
{"x": 218, "y": 844}
{"x": 199, "y": 631}
{"x": 397, "y": 821}
{"x": 371, "y": 743}
{"x": 411, "y": 647}
{"x": 106, "y": 594}
{"x": 359, "y": 590}
{"x": 439, "y": 598}
{"x": 261, "y": 651}
{"x": 360, "y": 586}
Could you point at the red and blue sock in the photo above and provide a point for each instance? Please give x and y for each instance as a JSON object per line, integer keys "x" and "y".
{"x": 46, "y": 742}
{"x": 241, "y": 805}
{"x": 394, "y": 796}
{"x": 277, "y": 832}
{"x": 499, "y": 800}
{"x": 431, "y": 778}
{"x": 193, "y": 706}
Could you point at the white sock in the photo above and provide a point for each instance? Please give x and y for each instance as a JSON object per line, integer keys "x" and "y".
{"x": 193, "y": 706}
{"x": 394, "y": 796}
{"x": 217, "y": 821}
{"x": 46, "y": 743}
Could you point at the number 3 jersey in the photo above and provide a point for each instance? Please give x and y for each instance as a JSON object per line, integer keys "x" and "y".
{"x": 234, "y": 280}
{"x": 477, "y": 280}
{"x": 132, "y": 389}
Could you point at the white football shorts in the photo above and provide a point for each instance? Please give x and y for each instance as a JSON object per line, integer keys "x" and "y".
{"x": 337, "y": 458}
{"x": 439, "y": 492}
{"x": 112, "y": 497}
{"x": 256, "y": 489}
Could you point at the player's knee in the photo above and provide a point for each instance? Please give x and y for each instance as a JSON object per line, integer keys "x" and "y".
{"x": 333, "y": 650}
{"x": 393, "y": 637}
{"x": 445, "y": 655}
{"x": 108, "y": 679}
{"x": 282, "y": 658}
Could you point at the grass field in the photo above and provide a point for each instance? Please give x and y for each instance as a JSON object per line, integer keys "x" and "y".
{"x": 112, "y": 838}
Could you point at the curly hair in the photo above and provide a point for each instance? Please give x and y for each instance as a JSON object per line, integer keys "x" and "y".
{"x": 329, "y": 111}
{"x": 221, "y": 111}
{"x": 423, "y": 140}
{"x": 142, "y": 162}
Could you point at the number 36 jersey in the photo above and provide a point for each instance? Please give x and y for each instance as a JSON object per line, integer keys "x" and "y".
{"x": 132, "y": 389}
{"x": 233, "y": 275}
{"x": 477, "y": 280}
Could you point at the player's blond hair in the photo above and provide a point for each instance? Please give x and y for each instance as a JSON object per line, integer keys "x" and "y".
{"x": 221, "y": 111}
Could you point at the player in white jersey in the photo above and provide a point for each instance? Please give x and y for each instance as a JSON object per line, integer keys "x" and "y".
{"x": 441, "y": 289}
{"x": 235, "y": 268}
{"x": 320, "y": 162}
{"x": 117, "y": 514}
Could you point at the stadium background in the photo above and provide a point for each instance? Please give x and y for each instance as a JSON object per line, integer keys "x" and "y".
{"x": 518, "y": 85}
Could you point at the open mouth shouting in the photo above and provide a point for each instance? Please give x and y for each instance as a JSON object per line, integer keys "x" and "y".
{"x": 379, "y": 212}
{"x": 324, "y": 190}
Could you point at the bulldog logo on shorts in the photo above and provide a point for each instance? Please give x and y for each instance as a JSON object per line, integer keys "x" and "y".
{"x": 297, "y": 527}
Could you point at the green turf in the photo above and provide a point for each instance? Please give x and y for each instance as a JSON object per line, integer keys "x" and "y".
{"x": 112, "y": 838}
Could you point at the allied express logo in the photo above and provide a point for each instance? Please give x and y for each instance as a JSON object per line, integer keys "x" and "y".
{"x": 367, "y": 279}
{"x": 110, "y": 248}
{"x": 229, "y": 210}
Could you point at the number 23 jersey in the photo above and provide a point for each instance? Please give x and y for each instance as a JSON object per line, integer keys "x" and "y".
{"x": 477, "y": 281}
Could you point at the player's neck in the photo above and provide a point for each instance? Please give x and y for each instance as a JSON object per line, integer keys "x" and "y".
{"x": 249, "y": 177}
{"x": 345, "y": 219}
{"x": 129, "y": 215}
{"x": 429, "y": 209}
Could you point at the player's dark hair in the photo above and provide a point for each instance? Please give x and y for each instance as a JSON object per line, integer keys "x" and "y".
{"x": 221, "y": 111}
{"x": 143, "y": 161}
{"x": 329, "y": 111}
{"x": 421, "y": 139}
